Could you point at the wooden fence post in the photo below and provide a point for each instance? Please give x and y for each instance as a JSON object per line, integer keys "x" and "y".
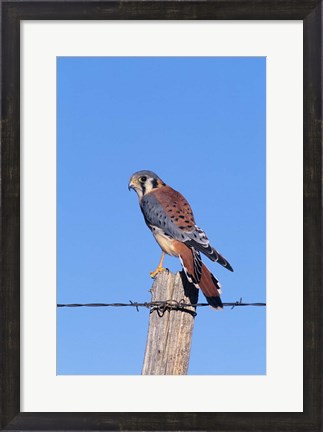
{"x": 170, "y": 330}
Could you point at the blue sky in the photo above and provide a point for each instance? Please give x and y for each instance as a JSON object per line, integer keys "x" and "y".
{"x": 200, "y": 124}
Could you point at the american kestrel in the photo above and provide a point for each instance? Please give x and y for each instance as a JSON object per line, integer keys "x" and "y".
{"x": 170, "y": 219}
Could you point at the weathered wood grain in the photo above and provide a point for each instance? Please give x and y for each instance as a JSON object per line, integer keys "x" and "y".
{"x": 170, "y": 331}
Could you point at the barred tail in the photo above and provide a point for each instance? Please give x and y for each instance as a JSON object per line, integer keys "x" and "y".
{"x": 198, "y": 274}
{"x": 211, "y": 288}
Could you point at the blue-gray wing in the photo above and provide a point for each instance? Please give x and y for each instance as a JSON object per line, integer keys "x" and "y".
{"x": 167, "y": 210}
{"x": 156, "y": 216}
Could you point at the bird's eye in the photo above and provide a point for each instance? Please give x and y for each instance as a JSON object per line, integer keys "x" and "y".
{"x": 142, "y": 179}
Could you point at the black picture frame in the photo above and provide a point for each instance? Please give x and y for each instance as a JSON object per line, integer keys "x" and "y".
{"x": 12, "y": 12}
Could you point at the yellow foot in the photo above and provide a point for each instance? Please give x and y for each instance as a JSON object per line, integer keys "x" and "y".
{"x": 158, "y": 270}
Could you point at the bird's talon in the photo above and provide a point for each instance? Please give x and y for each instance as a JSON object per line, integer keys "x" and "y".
{"x": 155, "y": 273}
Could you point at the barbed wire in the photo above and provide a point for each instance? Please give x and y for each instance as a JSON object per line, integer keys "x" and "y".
{"x": 160, "y": 306}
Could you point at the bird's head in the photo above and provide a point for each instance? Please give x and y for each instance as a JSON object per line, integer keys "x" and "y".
{"x": 144, "y": 182}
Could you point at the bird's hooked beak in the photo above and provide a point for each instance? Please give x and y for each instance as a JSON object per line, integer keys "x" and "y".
{"x": 131, "y": 185}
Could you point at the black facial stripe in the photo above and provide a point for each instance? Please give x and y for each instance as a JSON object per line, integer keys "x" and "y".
{"x": 154, "y": 184}
{"x": 143, "y": 188}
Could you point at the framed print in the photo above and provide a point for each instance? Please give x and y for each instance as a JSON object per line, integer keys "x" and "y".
{"x": 59, "y": 58}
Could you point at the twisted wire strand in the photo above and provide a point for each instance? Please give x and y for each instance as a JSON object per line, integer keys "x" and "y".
{"x": 162, "y": 304}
